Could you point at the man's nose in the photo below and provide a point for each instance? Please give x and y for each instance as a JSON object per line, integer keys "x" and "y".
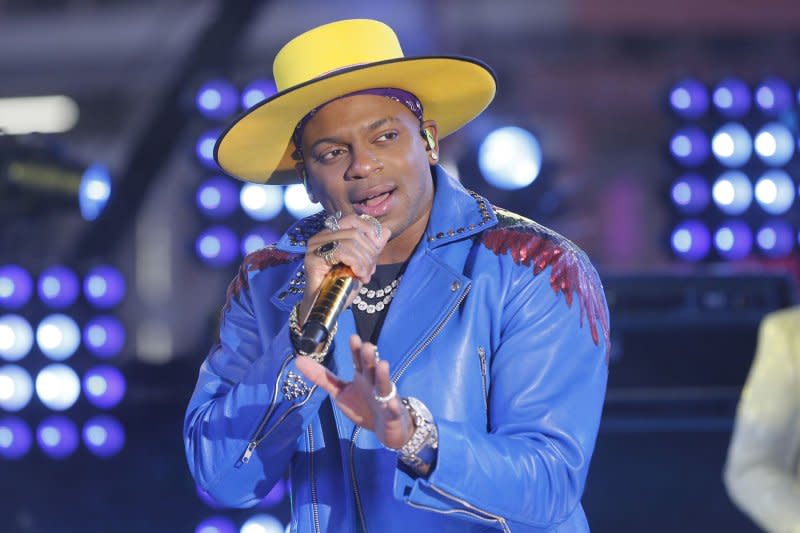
{"x": 363, "y": 164}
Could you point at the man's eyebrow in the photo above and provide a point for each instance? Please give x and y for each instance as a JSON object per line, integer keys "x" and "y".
{"x": 380, "y": 122}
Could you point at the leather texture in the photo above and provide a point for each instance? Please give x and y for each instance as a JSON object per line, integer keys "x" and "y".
{"x": 499, "y": 326}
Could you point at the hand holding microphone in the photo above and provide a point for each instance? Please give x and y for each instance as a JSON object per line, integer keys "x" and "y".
{"x": 336, "y": 261}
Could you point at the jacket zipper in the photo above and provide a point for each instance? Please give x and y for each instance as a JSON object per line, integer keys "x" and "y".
{"x": 475, "y": 510}
{"x": 314, "y": 503}
{"x": 256, "y": 440}
{"x": 396, "y": 377}
{"x": 482, "y": 356}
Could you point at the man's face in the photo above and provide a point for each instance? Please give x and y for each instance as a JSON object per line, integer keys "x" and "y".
{"x": 365, "y": 154}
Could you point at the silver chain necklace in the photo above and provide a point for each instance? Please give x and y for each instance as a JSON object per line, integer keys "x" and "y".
{"x": 384, "y": 296}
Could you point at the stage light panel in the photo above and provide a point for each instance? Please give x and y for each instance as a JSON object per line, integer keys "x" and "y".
{"x": 510, "y": 158}
{"x": 16, "y": 388}
{"x": 733, "y": 192}
{"x": 16, "y": 337}
{"x": 16, "y": 286}
{"x": 261, "y": 202}
{"x": 104, "y": 287}
{"x": 297, "y": 202}
{"x": 58, "y": 387}
{"x": 57, "y": 437}
{"x": 689, "y": 99}
{"x": 104, "y": 336}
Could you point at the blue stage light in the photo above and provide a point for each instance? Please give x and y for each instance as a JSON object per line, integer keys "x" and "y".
{"x": 256, "y": 92}
{"x": 262, "y": 523}
{"x": 58, "y": 387}
{"x": 103, "y": 435}
{"x": 261, "y": 202}
{"x": 258, "y": 238}
{"x": 775, "y": 192}
{"x": 775, "y": 238}
{"x": 204, "y": 149}
{"x": 104, "y": 287}
{"x": 732, "y": 145}
{"x": 217, "y": 246}
{"x": 510, "y": 158}
{"x": 689, "y": 99}
{"x": 16, "y": 286}
{"x": 774, "y": 144}
{"x": 58, "y": 287}
{"x": 217, "y": 99}
{"x": 57, "y": 436}
{"x": 732, "y": 98}
{"x": 217, "y": 197}
{"x": 733, "y": 240}
{"x": 691, "y": 193}
{"x": 297, "y": 202}
{"x": 104, "y": 386}
{"x": 733, "y": 192}
{"x": 104, "y": 336}
{"x": 689, "y": 146}
{"x": 94, "y": 191}
{"x": 773, "y": 96}
{"x": 16, "y": 337}
{"x": 15, "y": 437}
{"x": 58, "y": 337}
{"x": 215, "y": 524}
{"x": 16, "y": 388}
{"x": 691, "y": 240}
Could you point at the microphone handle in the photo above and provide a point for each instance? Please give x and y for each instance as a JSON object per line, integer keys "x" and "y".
{"x": 336, "y": 286}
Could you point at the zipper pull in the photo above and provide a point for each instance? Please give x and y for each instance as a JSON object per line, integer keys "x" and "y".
{"x": 249, "y": 452}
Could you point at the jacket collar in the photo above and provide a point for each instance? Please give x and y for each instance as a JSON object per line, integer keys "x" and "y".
{"x": 456, "y": 213}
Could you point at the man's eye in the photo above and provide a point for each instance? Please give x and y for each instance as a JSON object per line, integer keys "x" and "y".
{"x": 330, "y": 154}
{"x": 388, "y": 136}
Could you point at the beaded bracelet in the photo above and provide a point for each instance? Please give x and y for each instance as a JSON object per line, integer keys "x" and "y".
{"x": 295, "y": 332}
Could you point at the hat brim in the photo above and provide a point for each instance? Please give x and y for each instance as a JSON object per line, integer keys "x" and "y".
{"x": 453, "y": 90}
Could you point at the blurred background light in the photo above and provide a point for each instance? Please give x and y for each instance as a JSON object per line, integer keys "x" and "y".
{"x": 104, "y": 386}
{"x": 261, "y": 202}
{"x": 510, "y": 158}
{"x": 58, "y": 287}
{"x": 58, "y": 387}
{"x": 16, "y": 286}
{"x": 774, "y": 144}
{"x": 15, "y": 437}
{"x": 94, "y": 191}
{"x": 38, "y": 114}
{"x": 691, "y": 240}
{"x": 58, "y": 336}
{"x": 257, "y": 238}
{"x": 217, "y": 99}
{"x": 733, "y": 192}
{"x": 57, "y": 436}
{"x": 16, "y": 387}
{"x": 104, "y": 286}
{"x": 732, "y": 98}
{"x": 204, "y": 149}
{"x": 16, "y": 337}
{"x": 256, "y": 92}
{"x": 297, "y": 202}
{"x": 689, "y": 146}
{"x": 262, "y": 523}
{"x": 775, "y": 238}
{"x": 689, "y": 99}
{"x": 775, "y": 192}
{"x": 104, "y": 336}
{"x": 217, "y": 197}
{"x": 217, "y": 246}
{"x": 216, "y": 524}
{"x": 733, "y": 240}
{"x": 773, "y": 96}
{"x": 691, "y": 193}
{"x": 732, "y": 145}
{"x": 103, "y": 435}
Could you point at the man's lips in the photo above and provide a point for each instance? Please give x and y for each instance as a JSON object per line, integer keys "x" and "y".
{"x": 376, "y": 203}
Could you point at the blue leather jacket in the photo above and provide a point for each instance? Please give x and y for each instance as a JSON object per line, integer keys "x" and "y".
{"x": 499, "y": 326}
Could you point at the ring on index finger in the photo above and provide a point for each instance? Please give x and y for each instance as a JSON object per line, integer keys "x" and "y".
{"x": 376, "y": 225}
{"x": 332, "y": 221}
{"x": 327, "y": 252}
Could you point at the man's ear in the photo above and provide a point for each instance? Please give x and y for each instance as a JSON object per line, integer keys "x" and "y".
{"x": 430, "y": 133}
{"x": 303, "y": 177}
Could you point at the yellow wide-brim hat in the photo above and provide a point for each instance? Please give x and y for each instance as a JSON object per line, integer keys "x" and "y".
{"x": 337, "y": 59}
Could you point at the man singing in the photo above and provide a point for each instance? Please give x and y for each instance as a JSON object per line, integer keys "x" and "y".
{"x": 461, "y": 388}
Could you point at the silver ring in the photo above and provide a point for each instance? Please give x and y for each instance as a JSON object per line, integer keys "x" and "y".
{"x": 376, "y": 225}
{"x": 386, "y": 399}
{"x": 332, "y": 221}
{"x": 327, "y": 251}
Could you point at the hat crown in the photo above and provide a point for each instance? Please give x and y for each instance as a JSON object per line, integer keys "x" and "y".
{"x": 333, "y": 47}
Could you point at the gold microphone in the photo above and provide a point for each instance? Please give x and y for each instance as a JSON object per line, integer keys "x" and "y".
{"x": 336, "y": 286}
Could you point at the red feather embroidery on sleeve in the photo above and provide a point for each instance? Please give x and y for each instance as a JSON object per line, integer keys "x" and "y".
{"x": 571, "y": 272}
{"x": 253, "y": 262}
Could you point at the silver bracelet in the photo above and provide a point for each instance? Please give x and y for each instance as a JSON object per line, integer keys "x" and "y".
{"x": 420, "y": 450}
